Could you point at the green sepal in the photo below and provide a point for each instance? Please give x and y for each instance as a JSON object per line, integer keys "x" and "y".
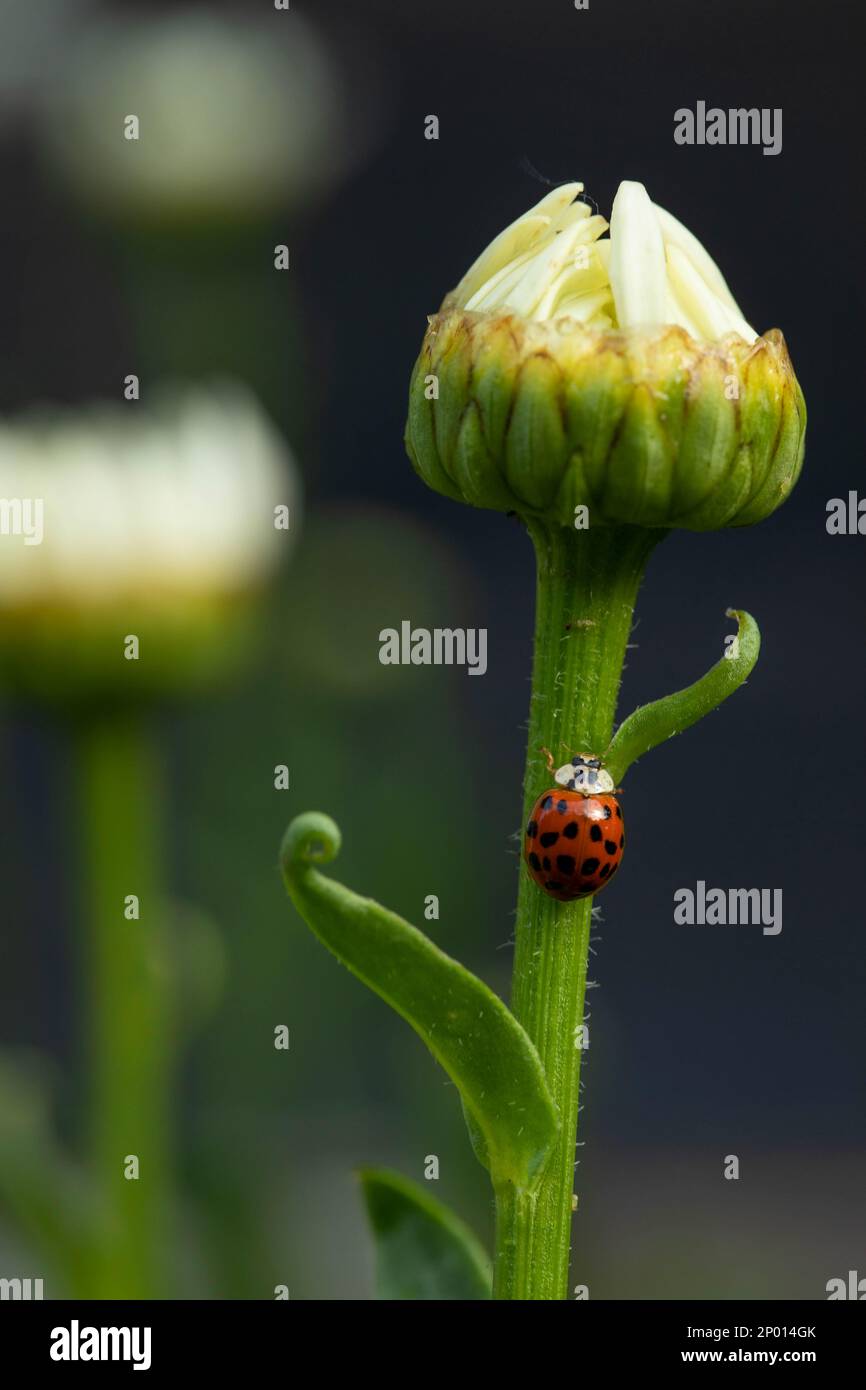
{"x": 535, "y": 446}
{"x": 645, "y": 428}
{"x": 639, "y": 473}
{"x": 421, "y": 436}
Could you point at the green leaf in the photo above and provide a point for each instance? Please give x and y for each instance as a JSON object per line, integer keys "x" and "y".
{"x": 652, "y": 724}
{"x": 465, "y": 1025}
{"x": 423, "y": 1251}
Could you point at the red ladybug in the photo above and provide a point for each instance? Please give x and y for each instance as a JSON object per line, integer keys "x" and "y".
{"x": 575, "y": 836}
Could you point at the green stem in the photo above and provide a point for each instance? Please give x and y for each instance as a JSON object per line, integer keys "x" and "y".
{"x": 128, "y": 983}
{"x": 587, "y": 586}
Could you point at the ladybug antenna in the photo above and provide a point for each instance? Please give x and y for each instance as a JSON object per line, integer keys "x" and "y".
{"x": 548, "y": 757}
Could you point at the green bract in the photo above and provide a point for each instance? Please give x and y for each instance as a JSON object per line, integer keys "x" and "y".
{"x": 647, "y": 426}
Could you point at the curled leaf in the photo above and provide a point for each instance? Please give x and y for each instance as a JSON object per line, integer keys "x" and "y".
{"x": 423, "y": 1251}
{"x": 651, "y": 724}
{"x": 482, "y": 1047}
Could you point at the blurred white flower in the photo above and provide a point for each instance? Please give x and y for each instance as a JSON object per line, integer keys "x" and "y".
{"x": 553, "y": 263}
{"x": 178, "y": 499}
{"x": 163, "y": 520}
{"x": 234, "y": 116}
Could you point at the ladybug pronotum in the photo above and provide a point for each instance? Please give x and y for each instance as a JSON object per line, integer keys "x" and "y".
{"x": 575, "y": 836}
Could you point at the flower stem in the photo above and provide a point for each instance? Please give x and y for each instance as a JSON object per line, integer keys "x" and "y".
{"x": 128, "y": 984}
{"x": 586, "y": 591}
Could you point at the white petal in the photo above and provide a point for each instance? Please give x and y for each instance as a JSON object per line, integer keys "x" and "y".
{"x": 519, "y": 236}
{"x": 556, "y": 255}
{"x": 637, "y": 259}
{"x": 585, "y": 307}
{"x": 602, "y": 249}
{"x": 678, "y": 315}
{"x": 675, "y": 234}
{"x": 488, "y": 294}
{"x": 574, "y": 281}
{"x": 713, "y": 317}
{"x": 575, "y": 212}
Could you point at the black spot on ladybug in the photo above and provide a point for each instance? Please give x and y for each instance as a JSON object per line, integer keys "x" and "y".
{"x": 610, "y": 846}
{"x": 562, "y": 807}
{"x": 589, "y": 866}
{"x": 552, "y": 886}
{"x": 595, "y": 832}
{"x": 546, "y": 863}
{"x": 571, "y": 830}
{"x": 535, "y": 862}
{"x": 549, "y": 838}
{"x": 565, "y": 864}
{"x": 607, "y": 813}
{"x": 619, "y": 812}
{"x": 532, "y": 829}
{"x": 547, "y": 803}
{"x": 605, "y": 870}
{"x": 621, "y": 841}
{"x": 614, "y": 866}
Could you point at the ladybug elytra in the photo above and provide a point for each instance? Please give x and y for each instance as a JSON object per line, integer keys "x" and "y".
{"x": 575, "y": 836}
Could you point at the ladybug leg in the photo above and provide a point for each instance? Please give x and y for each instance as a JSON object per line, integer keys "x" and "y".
{"x": 548, "y": 758}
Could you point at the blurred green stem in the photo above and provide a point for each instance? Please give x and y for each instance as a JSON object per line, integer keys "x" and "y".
{"x": 128, "y": 993}
{"x": 586, "y": 590}
{"x": 207, "y": 303}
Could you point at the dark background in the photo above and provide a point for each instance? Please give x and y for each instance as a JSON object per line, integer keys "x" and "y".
{"x": 706, "y": 1041}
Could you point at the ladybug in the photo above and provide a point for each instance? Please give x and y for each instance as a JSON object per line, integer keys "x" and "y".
{"x": 575, "y": 836}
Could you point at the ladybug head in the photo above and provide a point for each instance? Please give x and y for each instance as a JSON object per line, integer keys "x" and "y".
{"x": 584, "y": 774}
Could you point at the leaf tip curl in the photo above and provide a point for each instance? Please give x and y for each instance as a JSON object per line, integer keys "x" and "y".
{"x": 652, "y": 724}
{"x": 310, "y": 839}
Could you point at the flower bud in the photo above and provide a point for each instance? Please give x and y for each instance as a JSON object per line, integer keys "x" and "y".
{"x": 619, "y": 374}
{"x": 135, "y": 548}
